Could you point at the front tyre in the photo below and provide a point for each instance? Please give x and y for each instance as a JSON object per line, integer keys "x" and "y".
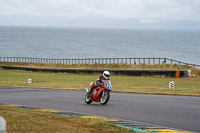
{"x": 105, "y": 98}
{"x": 88, "y": 99}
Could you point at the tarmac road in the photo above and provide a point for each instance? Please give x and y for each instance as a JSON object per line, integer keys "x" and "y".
{"x": 180, "y": 112}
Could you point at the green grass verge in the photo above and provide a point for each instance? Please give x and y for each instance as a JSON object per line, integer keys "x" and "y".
{"x": 195, "y": 71}
{"x": 130, "y": 84}
{"x": 29, "y": 121}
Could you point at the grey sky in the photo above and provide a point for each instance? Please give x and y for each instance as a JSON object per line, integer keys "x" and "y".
{"x": 69, "y": 11}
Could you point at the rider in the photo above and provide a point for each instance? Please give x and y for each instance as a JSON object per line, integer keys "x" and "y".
{"x": 104, "y": 76}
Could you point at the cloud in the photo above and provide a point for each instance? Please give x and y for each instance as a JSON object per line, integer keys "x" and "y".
{"x": 145, "y": 11}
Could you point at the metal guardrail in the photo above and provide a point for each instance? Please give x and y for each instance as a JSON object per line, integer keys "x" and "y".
{"x": 167, "y": 73}
{"x": 96, "y": 61}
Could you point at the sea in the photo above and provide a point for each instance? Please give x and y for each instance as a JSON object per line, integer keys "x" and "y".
{"x": 80, "y": 43}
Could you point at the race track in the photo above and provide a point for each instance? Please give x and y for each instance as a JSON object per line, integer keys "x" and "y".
{"x": 180, "y": 112}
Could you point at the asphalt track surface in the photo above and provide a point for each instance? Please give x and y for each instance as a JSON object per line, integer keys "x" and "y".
{"x": 179, "y": 112}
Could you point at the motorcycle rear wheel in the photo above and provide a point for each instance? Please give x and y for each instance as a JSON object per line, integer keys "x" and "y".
{"x": 104, "y": 99}
{"x": 88, "y": 99}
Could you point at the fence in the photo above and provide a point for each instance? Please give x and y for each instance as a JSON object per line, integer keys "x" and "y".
{"x": 96, "y": 61}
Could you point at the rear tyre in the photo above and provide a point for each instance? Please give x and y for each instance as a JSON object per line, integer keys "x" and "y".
{"x": 88, "y": 99}
{"x": 105, "y": 98}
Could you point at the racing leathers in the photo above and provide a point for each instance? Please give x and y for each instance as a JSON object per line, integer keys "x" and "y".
{"x": 99, "y": 83}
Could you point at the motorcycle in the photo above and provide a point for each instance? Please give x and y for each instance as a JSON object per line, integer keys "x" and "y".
{"x": 100, "y": 94}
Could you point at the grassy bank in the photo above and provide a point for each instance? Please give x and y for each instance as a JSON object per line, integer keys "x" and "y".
{"x": 29, "y": 121}
{"x": 195, "y": 71}
{"x": 130, "y": 84}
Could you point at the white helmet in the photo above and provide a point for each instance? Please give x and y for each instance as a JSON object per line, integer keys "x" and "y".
{"x": 106, "y": 74}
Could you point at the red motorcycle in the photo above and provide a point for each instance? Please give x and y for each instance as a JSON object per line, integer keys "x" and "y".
{"x": 100, "y": 94}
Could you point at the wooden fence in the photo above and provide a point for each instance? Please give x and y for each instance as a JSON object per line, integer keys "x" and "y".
{"x": 96, "y": 61}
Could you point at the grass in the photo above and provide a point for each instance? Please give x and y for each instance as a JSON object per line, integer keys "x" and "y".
{"x": 29, "y": 121}
{"x": 195, "y": 71}
{"x": 121, "y": 83}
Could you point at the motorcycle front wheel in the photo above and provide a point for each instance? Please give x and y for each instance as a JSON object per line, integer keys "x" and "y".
{"x": 105, "y": 98}
{"x": 88, "y": 99}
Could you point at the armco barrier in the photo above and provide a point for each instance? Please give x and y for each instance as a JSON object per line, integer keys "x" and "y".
{"x": 167, "y": 73}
